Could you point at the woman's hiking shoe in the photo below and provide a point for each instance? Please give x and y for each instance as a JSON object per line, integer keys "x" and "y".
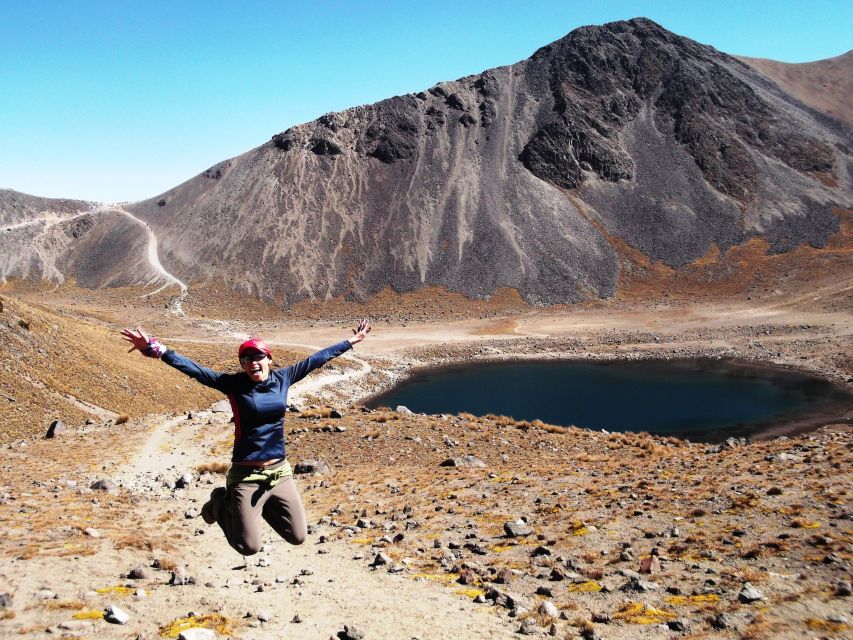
{"x": 211, "y": 508}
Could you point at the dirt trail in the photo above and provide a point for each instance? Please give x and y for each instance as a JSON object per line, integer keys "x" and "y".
{"x": 326, "y": 585}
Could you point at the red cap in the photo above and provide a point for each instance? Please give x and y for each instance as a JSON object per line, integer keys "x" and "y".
{"x": 254, "y": 344}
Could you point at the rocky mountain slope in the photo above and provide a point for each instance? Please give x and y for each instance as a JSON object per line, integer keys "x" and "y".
{"x": 619, "y": 145}
{"x": 532, "y": 176}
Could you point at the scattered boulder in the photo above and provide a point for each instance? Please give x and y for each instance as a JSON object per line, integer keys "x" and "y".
{"x": 223, "y": 406}
{"x": 56, "y": 428}
{"x": 467, "y": 461}
{"x": 115, "y": 615}
{"x": 517, "y": 529}
{"x": 380, "y": 560}
{"x": 5, "y": 600}
{"x": 749, "y": 593}
{"x": 104, "y": 485}
{"x": 350, "y": 633}
{"x": 184, "y": 481}
{"x": 403, "y": 409}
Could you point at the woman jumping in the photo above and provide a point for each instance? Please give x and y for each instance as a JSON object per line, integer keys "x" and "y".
{"x": 260, "y": 481}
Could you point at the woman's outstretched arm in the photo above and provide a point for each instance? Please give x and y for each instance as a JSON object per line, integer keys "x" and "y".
{"x": 301, "y": 369}
{"x": 151, "y": 347}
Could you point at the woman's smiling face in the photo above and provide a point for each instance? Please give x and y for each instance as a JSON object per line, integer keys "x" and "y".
{"x": 256, "y": 365}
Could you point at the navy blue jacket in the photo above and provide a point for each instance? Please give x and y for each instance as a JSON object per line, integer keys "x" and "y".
{"x": 258, "y": 406}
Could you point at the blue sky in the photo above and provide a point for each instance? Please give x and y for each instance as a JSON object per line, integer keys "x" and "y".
{"x": 122, "y": 100}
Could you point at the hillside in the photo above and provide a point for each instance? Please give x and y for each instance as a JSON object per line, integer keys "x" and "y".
{"x": 824, "y": 85}
{"x": 59, "y": 240}
{"x": 58, "y": 367}
{"x": 627, "y": 536}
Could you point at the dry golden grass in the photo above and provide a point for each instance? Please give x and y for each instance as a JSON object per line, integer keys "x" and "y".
{"x": 59, "y": 604}
{"x": 319, "y": 412}
{"x": 213, "y": 467}
{"x": 762, "y": 628}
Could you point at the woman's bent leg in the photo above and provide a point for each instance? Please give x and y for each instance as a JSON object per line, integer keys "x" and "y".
{"x": 239, "y": 515}
{"x": 284, "y": 512}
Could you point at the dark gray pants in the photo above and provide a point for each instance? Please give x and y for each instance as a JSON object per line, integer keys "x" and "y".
{"x": 239, "y": 513}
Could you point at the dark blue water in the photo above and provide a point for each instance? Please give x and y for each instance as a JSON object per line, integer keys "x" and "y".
{"x": 703, "y": 400}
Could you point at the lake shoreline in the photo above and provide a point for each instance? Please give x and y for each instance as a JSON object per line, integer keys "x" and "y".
{"x": 838, "y": 411}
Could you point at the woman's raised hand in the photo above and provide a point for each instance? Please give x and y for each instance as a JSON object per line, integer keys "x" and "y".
{"x": 138, "y": 338}
{"x": 361, "y": 331}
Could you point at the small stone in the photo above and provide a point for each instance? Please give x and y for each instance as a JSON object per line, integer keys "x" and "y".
{"x": 115, "y": 615}
{"x": 104, "y": 485}
{"x": 403, "y": 409}
{"x": 547, "y": 608}
{"x": 46, "y": 594}
{"x": 680, "y": 624}
{"x": 138, "y": 573}
{"x": 528, "y": 627}
{"x": 720, "y": 621}
{"x": 842, "y": 588}
{"x": 180, "y": 578}
{"x": 223, "y": 406}
{"x": 5, "y": 600}
{"x": 380, "y": 559}
{"x": 296, "y": 619}
{"x": 197, "y": 633}
{"x": 642, "y": 586}
{"x": 336, "y": 414}
{"x": 191, "y": 513}
{"x": 184, "y": 481}
{"x": 350, "y": 633}
{"x": 311, "y": 466}
{"x": 517, "y": 529}
{"x": 748, "y": 594}
{"x": 75, "y": 625}
{"x": 650, "y": 565}
{"x": 504, "y": 576}
{"x": 264, "y": 615}
{"x": 91, "y": 532}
